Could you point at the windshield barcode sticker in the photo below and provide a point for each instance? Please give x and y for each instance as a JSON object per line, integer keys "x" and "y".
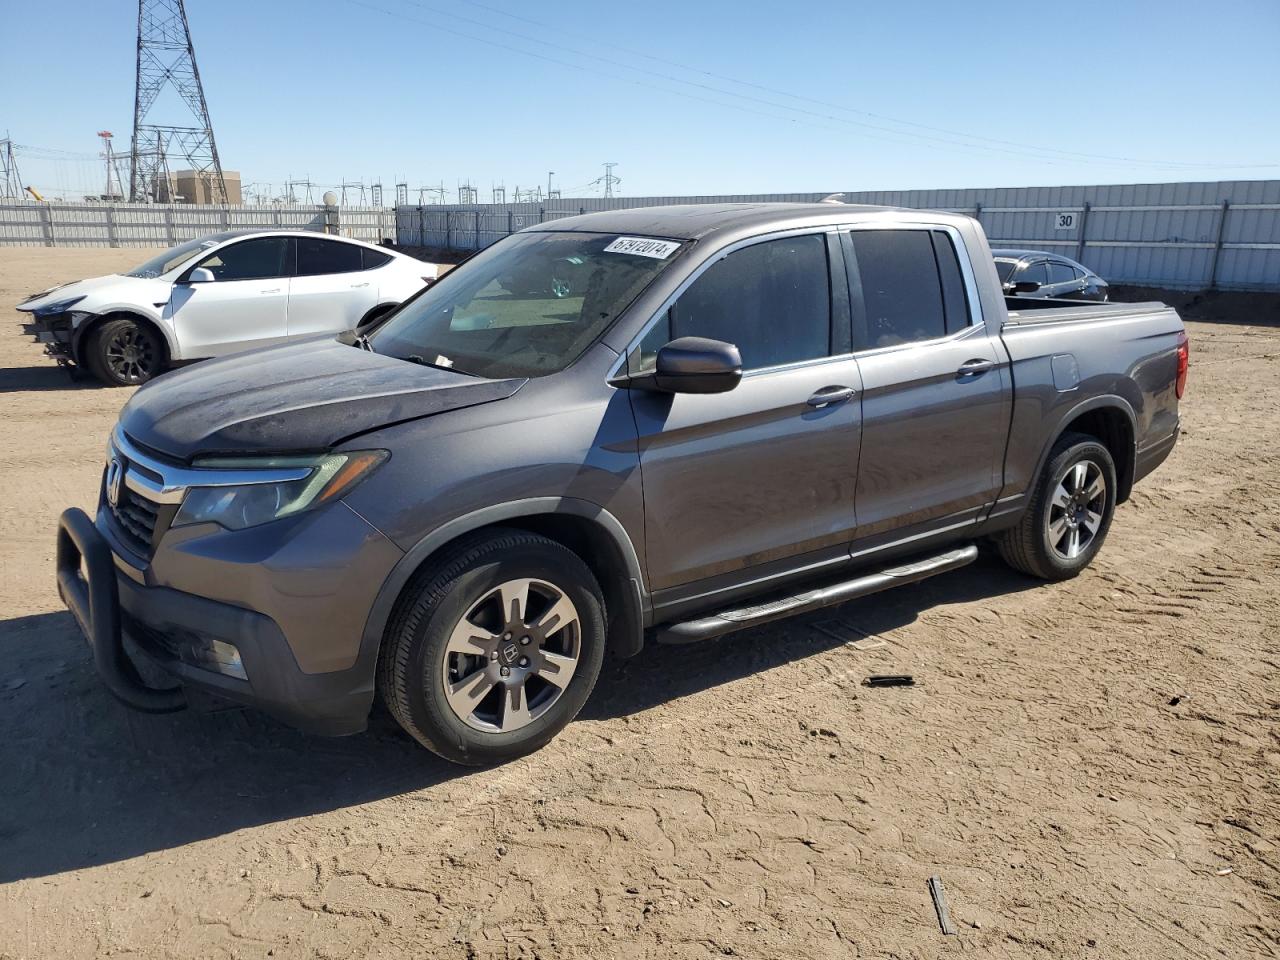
{"x": 643, "y": 247}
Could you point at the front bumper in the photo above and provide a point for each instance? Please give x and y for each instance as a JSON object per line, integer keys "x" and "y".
{"x": 176, "y": 630}
{"x": 56, "y": 332}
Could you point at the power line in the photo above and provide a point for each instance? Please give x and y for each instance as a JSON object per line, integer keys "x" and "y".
{"x": 949, "y": 138}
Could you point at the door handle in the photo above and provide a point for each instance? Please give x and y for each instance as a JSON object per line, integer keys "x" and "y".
{"x": 272, "y": 290}
{"x": 971, "y": 368}
{"x": 357, "y": 286}
{"x": 829, "y": 395}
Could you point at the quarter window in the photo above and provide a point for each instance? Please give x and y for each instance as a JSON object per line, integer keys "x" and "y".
{"x": 317, "y": 255}
{"x": 256, "y": 259}
{"x": 902, "y": 292}
{"x": 772, "y": 300}
{"x": 372, "y": 259}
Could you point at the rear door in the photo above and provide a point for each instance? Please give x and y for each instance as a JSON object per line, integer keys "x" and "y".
{"x": 331, "y": 290}
{"x": 1065, "y": 281}
{"x": 763, "y": 474}
{"x": 935, "y": 401}
{"x": 245, "y": 306}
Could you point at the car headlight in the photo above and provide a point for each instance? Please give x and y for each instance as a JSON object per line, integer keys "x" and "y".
{"x": 249, "y": 502}
{"x": 58, "y": 306}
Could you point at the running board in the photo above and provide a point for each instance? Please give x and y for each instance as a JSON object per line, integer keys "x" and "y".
{"x": 726, "y": 621}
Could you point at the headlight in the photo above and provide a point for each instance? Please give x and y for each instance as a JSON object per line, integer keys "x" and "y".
{"x": 249, "y": 503}
{"x": 58, "y": 306}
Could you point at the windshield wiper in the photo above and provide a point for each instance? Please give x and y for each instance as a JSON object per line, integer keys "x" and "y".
{"x": 423, "y": 362}
{"x": 362, "y": 341}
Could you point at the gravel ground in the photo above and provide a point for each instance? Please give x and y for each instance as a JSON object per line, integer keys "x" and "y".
{"x": 1090, "y": 767}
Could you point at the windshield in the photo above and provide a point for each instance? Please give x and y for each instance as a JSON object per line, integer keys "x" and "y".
{"x": 1005, "y": 269}
{"x": 176, "y": 256}
{"x": 526, "y": 307}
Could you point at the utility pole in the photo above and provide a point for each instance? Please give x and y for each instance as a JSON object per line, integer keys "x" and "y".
{"x": 550, "y": 173}
{"x": 610, "y": 181}
{"x": 11, "y": 185}
{"x": 167, "y": 57}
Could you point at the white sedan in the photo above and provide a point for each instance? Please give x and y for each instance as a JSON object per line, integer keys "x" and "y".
{"x": 223, "y": 293}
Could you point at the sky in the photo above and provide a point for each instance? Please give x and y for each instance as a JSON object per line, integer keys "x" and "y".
{"x": 692, "y": 97}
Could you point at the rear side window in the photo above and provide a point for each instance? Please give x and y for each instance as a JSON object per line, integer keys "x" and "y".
{"x": 371, "y": 259}
{"x": 257, "y": 259}
{"x": 901, "y": 289}
{"x": 1061, "y": 272}
{"x": 317, "y": 255}
{"x": 772, "y": 300}
{"x": 955, "y": 303}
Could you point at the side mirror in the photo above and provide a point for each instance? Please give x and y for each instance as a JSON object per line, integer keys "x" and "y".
{"x": 697, "y": 365}
{"x": 1025, "y": 286}
{"x": 201, "y": 275}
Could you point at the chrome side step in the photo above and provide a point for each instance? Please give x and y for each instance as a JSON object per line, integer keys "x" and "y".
{"x": 726, "y": 621}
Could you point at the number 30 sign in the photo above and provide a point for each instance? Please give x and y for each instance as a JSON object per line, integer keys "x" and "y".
{"x": 1065, "y": 221}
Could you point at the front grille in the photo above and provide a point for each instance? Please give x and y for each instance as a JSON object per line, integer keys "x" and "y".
{"x": 136, "y": 519}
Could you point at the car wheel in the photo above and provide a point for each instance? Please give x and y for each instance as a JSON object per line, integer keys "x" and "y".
{"x": 1069, "y": 514}
{"x": 374, "y": 317}
{"x": 125, "y": 352}
{"x": 495, "y": 648}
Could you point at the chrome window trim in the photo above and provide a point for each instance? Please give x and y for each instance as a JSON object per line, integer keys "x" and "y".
{"x": 825, "y": 230}
{"x": 175, "y": 481}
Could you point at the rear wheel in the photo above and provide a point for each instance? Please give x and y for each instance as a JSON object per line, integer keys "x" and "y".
{"x": 125, "y": 352}
{"x": 494, "y": 649}
{"x": 1069, "y": 513}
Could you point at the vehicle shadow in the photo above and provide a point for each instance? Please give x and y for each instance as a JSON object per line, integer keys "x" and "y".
{"x": 660, "y": 674}
{"x": 86, "y": 781}
{"x": 49, "y": 377}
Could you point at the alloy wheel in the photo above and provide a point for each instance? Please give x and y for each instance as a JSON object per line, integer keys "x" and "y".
{"x": 512, "y": 655}
{"x": 1076, "y": 509}
{"x": 130, "y": 355}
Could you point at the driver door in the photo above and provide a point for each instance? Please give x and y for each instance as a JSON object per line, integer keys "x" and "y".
{"x": 759, "y": 479}
{"x": 246, "y": 305}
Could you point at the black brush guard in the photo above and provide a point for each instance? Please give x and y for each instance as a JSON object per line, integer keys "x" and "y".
{"x": 94, "y": 600}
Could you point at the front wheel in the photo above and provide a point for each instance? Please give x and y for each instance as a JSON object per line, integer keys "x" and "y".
{"x": 123, "y": 352}
{"x": 1069, "y": 514}
{"x": 495, "y": 648}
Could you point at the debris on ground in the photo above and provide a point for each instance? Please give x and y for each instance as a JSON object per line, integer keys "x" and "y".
{"x": 890, "y": 680}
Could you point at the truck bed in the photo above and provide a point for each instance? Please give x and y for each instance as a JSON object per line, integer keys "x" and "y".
{"x": 1024, "y": 310}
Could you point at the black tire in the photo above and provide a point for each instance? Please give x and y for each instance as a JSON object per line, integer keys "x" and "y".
{"x": 415, "y": 657}
{"x": 1031, "y": 545}
{"x": 374, "y": 317}
{"x": 124, "y": 352}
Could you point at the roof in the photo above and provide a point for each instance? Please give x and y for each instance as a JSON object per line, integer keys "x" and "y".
{"x": 1023, "y": 254}
{"x": 695, "y": 221}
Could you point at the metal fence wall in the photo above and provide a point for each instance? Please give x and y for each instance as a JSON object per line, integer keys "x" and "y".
{"x": 31, "y": 224}
{"x": 1178, "y": 235}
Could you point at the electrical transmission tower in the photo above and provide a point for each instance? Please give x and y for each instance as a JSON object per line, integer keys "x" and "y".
{"x": 375, "y": 194}
{"x": 10, "y": 179}
{"x": 609, "y": 180}
{"x": 402, "y": 194}
{"x": 166, "y": 57}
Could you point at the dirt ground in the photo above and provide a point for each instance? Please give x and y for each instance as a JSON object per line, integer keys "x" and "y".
{"x": 1090, "y": 767}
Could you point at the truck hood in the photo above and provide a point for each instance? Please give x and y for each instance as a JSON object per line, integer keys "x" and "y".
{"x": 303, "y": 396}
{"x": 114, "y": 289}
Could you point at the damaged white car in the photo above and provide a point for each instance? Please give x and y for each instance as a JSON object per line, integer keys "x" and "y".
{"x": 217, "y": 295}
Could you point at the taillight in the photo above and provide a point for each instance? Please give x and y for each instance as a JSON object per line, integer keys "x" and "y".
{"x": 1184, "y": 361}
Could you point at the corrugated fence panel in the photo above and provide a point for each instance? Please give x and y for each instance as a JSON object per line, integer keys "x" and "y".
{"x": 1164, "y": 234}
{"x": 162, "y": 225}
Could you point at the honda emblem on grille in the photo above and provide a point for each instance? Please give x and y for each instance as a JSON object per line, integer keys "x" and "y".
{"x": 115, "y": 475}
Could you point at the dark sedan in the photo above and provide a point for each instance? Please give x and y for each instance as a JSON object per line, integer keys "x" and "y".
{"x": 1033, "y": 273}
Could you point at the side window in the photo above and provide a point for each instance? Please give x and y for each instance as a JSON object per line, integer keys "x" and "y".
{"x": 1060, "y": 272}
{"x": 316, "y": 255}
{"x": 250, "y": 260}
{"x": 955, "y": 302}
{"x": 372, "y": 259}
{"x": 771, "y": 299}
{"x": 901, "y": 289}
{"x": 1035, "y": 272}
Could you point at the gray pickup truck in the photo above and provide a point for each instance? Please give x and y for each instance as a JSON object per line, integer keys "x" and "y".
{"x": 649, "y": 425}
